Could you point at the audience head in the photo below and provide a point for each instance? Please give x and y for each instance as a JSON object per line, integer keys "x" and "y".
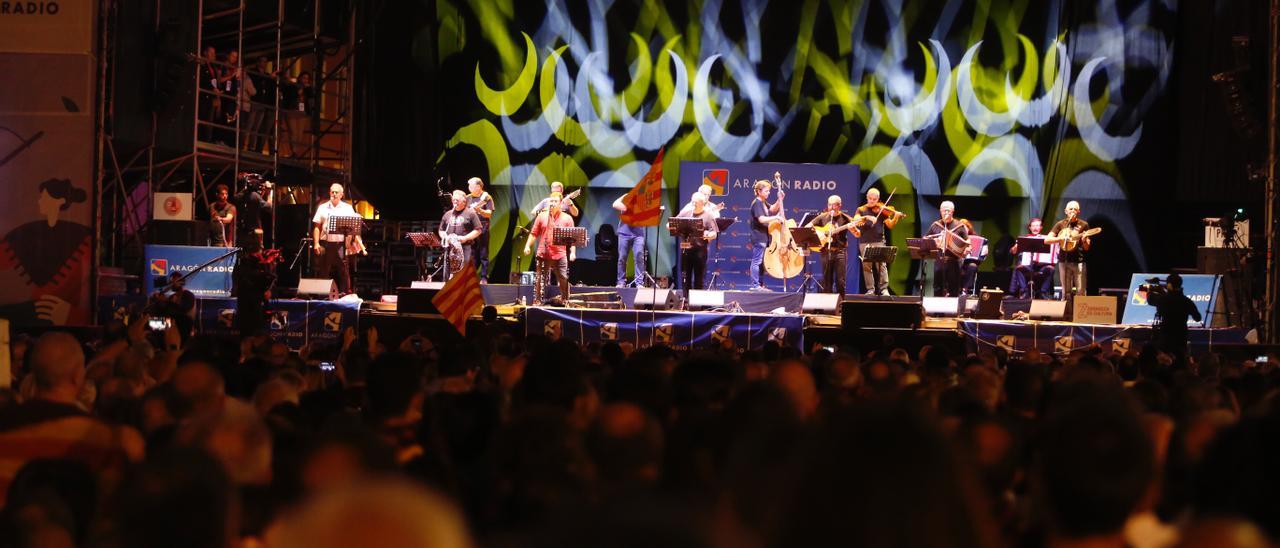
{"x": 57, "y": 365}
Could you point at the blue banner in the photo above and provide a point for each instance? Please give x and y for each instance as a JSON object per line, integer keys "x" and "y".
{"x": 295, "y": 322}
{"x": 807, "y": 186}
{"x": 679, "y": 330}
{"x": 213, "y": 281}
{"x": 1062, "y": 338}
{"x": 1202, "y": 289}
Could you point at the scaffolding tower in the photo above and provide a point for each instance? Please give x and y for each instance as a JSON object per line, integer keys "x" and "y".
{"x": 290, "y": 132}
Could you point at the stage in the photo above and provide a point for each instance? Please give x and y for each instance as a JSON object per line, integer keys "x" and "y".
{"x": 316, "y": 323}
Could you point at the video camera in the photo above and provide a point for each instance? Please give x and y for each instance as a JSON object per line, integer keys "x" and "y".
{"x": 1153, "y": 285}
{"x": 255, "y": 182}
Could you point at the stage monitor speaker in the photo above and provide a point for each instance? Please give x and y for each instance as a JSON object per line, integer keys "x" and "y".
{"x": 426, "y": 285}
{"x": 1048, "y": 310}
{"x": 989, "y": 302}
{"x": 657, "y": 299}
{"x": 942, "y": 306}
{"x": 859, "y": 314}
{"x": 820, "y": 303}
{"x": 411, "y": 300}
{"x": 317, "y": 288}
{"x": 702, "y": 299}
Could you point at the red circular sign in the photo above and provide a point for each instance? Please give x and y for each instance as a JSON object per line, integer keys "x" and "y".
{"x": 172, "y": 205}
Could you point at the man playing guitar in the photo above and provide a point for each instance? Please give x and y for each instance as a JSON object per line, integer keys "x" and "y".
{"x": 1072, "y": 234}
{"x": 953, "y": 244}
{"x": 481, "y": 203}
{"x": 871, "y": 219}
{"x": 832, "y": 227}
{"x": 566, "y": 201}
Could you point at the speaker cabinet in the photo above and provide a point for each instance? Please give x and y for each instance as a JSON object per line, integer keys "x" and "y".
{"x": 317, "y": 288}
{"x": 426, "y": 285}
{"x": 821, "y": 303}
{"x": 410, "y": 300}
{"x": 942, "y": 306}
{"x": 1048, "y": 310}
{"x": 859, "y": 314}
{"x": 989, "y": 301}
{"x": 657, "y": 299}
{"x": 702, "y": 299}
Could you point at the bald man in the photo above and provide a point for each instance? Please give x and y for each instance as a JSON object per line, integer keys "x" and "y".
{"x": 329, "y": 248}
{"x": 835, "y": 254}
{"x": 53, "y": 423}
{"x": 1071, "y": 272}
{"x": 946, "y": 268}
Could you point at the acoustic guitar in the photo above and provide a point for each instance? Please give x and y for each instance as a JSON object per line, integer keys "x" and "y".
{"x": 1072, "y": 238}
{"x": 827, "y": 233}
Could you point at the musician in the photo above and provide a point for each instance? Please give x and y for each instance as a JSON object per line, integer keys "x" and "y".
{"x": 551, "y": 257}
{"x": 871, "y": 221}
{"x": 222, "y": 214}
{"x": 332, "y": 249}
{"x": 762, "y": 213}
{"x": 566, "y": 204}
{"x": 972, "y": 259}
{"x": 953, "y": 241}
{"x": 253, "y": 206}
{"x": 705, "y": 190}
{"x": 481, "y": 203}
{"x": 1071, "y": 271}
{"x": 631, "y": 241}
{"x": 835, "y": 254}
{"x": 460, "y": 226}
{"x": 1035, "y": 267}
{"x": 693, "y": 252}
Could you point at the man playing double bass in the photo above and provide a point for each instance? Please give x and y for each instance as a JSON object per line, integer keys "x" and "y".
{"x": 835, "y": 224}
{"x": 953, "y": 242}
{"x": 871, "y": 220}
{"x": 761, "y": 215}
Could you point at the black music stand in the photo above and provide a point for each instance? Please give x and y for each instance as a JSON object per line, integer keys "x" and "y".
{"x": 722, "y": 224}
{"x": 876, "y": 254}
{"x": 806, "y": 237}
{"x": 685, "y": 228}
{"x": 347, "y": 225}
{"x": 575, "y": 236}
{"x": 1033, "y": 244}
{"x": 922, "y": 249}
{"x": 423, "y": 240}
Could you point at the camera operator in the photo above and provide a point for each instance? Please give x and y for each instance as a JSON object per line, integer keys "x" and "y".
{"x": 1172, "y": 310}
{"x": 176, "y": 303}
{"x": 254, "y": 203}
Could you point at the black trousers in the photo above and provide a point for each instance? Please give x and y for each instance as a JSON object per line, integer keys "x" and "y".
{"x": 480, "y": 253}
{"x": 834, "y": 262}
{"x": 693, "y": 264}
{"x": 946, "y": 277}
{"x": 335, "y": 256}
{"x": 546, "y": 268}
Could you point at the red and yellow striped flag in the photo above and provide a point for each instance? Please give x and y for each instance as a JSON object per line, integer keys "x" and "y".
{"x": 460, "y": 298}
{"x": 644, "y": 202}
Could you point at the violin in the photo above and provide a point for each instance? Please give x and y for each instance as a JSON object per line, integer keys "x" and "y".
{"x": 881, "y": 209}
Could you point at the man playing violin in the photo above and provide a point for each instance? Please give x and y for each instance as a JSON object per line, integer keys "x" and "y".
{"x": 481, "y": 203}
{"x": 1069, "y": 234}
{"x": 953, "y": 241}
{"x": 834, "y": 253}
{"x": 762, "y": 213}
{"x": 870, "y": 221}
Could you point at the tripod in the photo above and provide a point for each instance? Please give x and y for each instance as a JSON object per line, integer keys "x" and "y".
{"x": 642, "y": 277}
{"x": 808, "y": 278}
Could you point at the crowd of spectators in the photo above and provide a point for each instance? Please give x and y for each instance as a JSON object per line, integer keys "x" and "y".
{"x": 152, "y": 438}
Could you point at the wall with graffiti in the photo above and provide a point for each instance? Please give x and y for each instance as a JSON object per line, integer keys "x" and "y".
{"x": 1009, "y": 108}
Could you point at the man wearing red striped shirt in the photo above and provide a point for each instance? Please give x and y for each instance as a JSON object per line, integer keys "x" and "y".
{"x": 551, "y": 257}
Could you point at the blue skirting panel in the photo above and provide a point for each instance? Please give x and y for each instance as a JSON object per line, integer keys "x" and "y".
{"x": 751, "y": 301}
{"x": 679, "y": 330}
{"x": 296, "y": 322}
{"x": 1062, "y": 338}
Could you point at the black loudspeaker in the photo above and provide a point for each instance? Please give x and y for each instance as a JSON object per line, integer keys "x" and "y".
{"x": 659, "y": 299}
{"x": 598, "y": 272}
{"x": 989, "y": 304}
{"x": 859, "y": 314}
{"x": 416, "y": 301}
{"x": 317, "y": 288}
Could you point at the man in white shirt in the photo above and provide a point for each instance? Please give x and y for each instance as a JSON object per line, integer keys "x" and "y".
{"x": 329, "y": 247}
{"x": 1033, "y": 276}
{"x": 566, "y": 204}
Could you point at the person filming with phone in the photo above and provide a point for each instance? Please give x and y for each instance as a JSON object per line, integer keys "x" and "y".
{"x": 1173, "y": 308}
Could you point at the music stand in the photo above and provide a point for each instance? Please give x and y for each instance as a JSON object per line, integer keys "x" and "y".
{"x": 922, "y": 249}
{"x": 1033, "y": 244}
{"x": 874, "y": 254}
{"x": 423, "y": 240}
{"x": 722, "y": 224}
{"x": 685, "y": 228}
{"x": 347, "y": 225}
{"x": 806, "y": 237}
{"x": 575, "y": 236}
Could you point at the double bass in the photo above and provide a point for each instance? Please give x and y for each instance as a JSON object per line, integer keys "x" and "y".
{"x": 783, "y": 258}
